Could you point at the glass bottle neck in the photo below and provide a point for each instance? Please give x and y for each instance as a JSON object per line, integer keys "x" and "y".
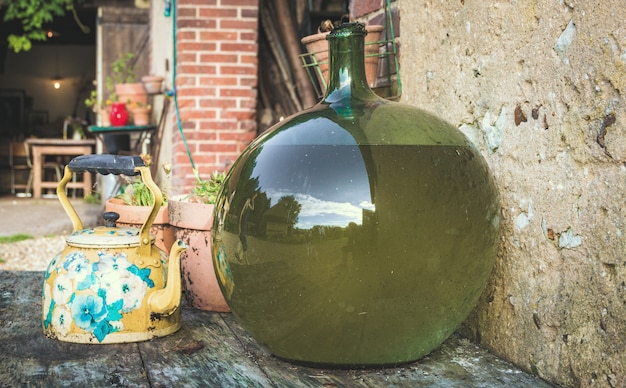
{"x": 346, "y": 77}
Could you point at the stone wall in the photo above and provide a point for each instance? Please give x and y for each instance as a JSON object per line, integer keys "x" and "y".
{"x": 539, "y": 87}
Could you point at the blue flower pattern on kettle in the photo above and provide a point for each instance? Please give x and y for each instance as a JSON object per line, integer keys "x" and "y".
{"x": 93, "y": 295}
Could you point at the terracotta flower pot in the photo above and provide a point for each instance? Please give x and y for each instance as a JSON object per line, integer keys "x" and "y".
{"x": 135, "y": 216}
{"x": 317, "y": 45}
{"x": 192, "y": 223}
{"x": 141, "y": 116}
{"x": 105, "y": 116}
{"x": 152, "y": 83}
{"x": 129, "y": 93}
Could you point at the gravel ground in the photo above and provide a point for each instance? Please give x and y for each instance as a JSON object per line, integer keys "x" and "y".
{"x": 30, "y": 255}
{"x": 46, "y": 221}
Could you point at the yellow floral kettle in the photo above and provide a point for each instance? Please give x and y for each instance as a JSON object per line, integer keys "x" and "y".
{"x": 111, "y": 284}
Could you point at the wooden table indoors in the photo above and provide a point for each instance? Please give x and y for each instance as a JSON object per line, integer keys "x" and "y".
{"x": 40, "y": 148}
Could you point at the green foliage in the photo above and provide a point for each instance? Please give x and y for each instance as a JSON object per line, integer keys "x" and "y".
{"x": 124, "y": 69}
{"x": 123, "y": 73}
{"x": 205, "y": 190}
{"x": 14, "y": 238}
{"x": 137, "y": 193}
{"x": 93, "y": 198}
{"x": 33, "y": 14}
{"x": 92, "y": 100}
{"x": 292, "y": 208}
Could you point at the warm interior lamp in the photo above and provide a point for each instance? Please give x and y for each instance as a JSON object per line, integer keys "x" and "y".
{"x": 50, "y": 33}
{"x": 56, "y": 81}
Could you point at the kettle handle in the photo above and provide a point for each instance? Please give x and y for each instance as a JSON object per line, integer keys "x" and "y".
{"x": 107, "y": 164}
{"x": 112, "y": 164}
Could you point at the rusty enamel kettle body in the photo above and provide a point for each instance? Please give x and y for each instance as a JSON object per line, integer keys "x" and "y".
{"x": 111, "y": 284}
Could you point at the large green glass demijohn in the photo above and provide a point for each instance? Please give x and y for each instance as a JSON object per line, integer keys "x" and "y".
{"x": 359, "y": 232}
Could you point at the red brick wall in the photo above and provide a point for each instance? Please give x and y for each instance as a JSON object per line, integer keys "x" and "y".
{"x": 360, "y": 8}
{"x": 373, "y": 12}
{"x": 216, "y": 85}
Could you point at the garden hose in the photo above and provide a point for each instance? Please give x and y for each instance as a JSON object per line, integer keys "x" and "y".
{"x": 170, "y": 9}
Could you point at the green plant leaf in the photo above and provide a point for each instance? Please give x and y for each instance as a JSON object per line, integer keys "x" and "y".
{"x": 206, "y": 190}
{"x": 32, "y": 14}
{"x": 124, "y": 69}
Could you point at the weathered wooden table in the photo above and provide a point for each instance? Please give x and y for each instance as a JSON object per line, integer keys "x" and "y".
{"x": 211, "y": 350}
{"x": 58, "y": 147}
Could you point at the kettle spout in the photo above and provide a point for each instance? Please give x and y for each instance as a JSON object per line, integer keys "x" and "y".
{"x": 167, "y": 300}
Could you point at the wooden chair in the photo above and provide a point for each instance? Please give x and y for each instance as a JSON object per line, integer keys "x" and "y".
{"x": 20, "y": 161}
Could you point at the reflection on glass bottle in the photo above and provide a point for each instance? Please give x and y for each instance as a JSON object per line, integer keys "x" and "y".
{"x": 243, "y": 221}
{"x": 368, "y": 227}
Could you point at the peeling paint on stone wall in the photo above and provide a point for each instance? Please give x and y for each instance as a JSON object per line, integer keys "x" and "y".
{"x": 568, "y": 240}
{"x": 565, "y": 40}
{"x": 521, "y": 221}
{"x": 493, "y": 131}
{"x": 524, "y": 218}
{"x": 472, "y": 134}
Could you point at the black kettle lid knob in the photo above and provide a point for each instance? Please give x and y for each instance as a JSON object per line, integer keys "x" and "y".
{"x": 110, "y": 218}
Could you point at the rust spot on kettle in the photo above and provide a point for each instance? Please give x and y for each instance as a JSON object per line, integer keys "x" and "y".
{"x": 155, "y": 316}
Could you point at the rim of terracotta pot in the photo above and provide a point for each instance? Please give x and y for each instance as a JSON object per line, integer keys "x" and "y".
{"x": 312, "y": 38}
{"x": 133, "y": 87}
{"x": 135, "y": 214}
{"x": 152, "y": 78}
{"x": 322, "y": 35}
{"x": 190, "y": 215}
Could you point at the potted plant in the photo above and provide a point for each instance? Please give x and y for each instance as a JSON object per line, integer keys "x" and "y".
{"x": 140, "y": 113}
{"x": 100, "y": 108}
{"x": 152, "y": 83}
{"x": 77, "y": 125}
{"x": 192, "y": 218}
{"x": 134, "y": 204}
{"x": 124, "y": 80}
{"x": 317, "y": 47}
{"x": 106, "y": 110}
